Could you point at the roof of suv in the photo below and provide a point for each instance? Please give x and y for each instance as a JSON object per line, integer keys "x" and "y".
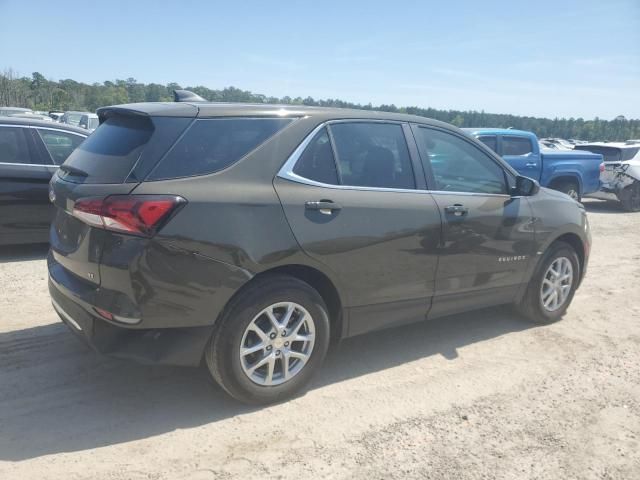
{"x": 216, "y": 109}
{"x": 28, "y": 122}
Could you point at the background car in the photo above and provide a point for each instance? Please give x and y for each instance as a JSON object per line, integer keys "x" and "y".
{"x": 9, "y": 111}
{"x": 89, "y": 121}
{"x": 33, "y": 116}
{"x": 30, "y": 152}
{"x": 575, "y": 173}
{"x": 621, "y": 175}
{"x": 72, "y": 117}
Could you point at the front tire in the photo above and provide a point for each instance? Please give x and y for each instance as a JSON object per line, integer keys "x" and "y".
{"x": 270, "y": 340}
{"x": 551, "y": 289}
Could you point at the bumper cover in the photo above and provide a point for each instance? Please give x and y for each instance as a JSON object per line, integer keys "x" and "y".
{"x": 167, "y": 346}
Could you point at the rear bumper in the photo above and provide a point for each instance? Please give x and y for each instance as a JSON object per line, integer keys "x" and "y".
{"x": 168, "y": 346}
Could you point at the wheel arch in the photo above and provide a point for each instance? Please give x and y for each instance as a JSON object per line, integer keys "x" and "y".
{"x": 316, "y": 279}
{"x": 567, "y": 177}
{"x": 578, "y": 245}
{"x": 572, "y": 239}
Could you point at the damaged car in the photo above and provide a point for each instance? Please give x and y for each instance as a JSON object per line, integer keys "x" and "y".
{"x": 621, "y": 176}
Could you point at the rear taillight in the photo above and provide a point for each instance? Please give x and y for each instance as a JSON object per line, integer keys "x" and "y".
{"x": 135, "y": 214}
{"x": 602, "y": 167}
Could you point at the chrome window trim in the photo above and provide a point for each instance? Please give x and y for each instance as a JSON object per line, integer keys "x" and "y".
{"x": 59, "y": 130}
{"x": 44, "y": 128}
{"x": 286, "y": 171}
{"x": 30, "y": 164}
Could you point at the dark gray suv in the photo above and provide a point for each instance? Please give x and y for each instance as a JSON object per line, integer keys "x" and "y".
{"x": 248, "y": 236}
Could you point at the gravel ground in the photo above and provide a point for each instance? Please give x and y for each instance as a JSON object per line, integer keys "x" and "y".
{"x": 479, "y": 395}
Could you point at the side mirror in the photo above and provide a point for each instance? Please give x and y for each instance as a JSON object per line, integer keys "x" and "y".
{"x": 525, "y": 187}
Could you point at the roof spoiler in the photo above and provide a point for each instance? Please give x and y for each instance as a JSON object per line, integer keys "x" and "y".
{"x": 186, "y": 96}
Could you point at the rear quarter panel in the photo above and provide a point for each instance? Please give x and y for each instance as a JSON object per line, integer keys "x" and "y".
{"x": 232, "y": 228}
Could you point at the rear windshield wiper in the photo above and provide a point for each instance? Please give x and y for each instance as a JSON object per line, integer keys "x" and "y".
{"x": 73, "y": 171}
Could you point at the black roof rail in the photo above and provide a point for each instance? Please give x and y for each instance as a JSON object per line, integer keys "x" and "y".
{"x": 186, "y": 96}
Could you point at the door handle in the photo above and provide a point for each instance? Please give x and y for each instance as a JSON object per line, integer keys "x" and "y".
{"x": 457, "y": 210}
{"x": 326, "y": 207}
{"x": 531, "y": 164}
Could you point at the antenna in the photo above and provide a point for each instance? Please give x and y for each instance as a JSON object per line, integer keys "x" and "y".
{"x": 186, "y": 96}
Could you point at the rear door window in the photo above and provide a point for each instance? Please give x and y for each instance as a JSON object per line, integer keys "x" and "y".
{"x": 59, "y": 144}
{"x": 373, "y": 155}
{"x": 13, "y": 146}
{"x": 516, "y": 145}
{"x": 210, "y": 145}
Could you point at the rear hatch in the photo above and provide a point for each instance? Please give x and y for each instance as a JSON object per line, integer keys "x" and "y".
{"x": 613, "y": 158}
{"x": 112, "y": 161}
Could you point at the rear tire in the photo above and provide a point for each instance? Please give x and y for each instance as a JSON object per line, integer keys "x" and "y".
{"x": 250, "y": 322}
{"x": 570, "y": 188}
{"x": 538, "y": 304}
{"x": 630, "y": 197}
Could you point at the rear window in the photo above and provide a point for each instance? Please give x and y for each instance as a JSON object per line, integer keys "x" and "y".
{"x": 210, "y": 145}
{"x": 609, "y": 154}
{"x": 109, "y": 154}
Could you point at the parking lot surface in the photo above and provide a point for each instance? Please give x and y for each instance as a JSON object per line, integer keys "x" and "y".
{"x": 479, "y": 395}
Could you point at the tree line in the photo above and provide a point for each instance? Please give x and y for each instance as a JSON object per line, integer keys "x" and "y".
{"x": 39, "y": 93}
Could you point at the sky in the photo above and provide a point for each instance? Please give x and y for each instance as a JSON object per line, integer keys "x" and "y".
{"x": 546, "y": 58}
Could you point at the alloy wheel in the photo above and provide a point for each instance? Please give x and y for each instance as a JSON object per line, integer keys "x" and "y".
{"x": 556, "y": 284}
{"x": 277, "y": 344}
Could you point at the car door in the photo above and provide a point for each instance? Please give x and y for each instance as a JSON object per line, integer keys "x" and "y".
{"x": 350, "y": 195}
{"x": 519, "y": 152}
{"x": 25, "y": 210}
{"x": 487, "y": 235}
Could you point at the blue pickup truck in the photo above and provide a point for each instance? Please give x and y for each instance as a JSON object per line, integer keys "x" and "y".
{"x": 575, "y": 173}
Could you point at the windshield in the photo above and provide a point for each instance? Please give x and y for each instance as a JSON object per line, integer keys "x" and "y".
{"x": 93, "y": 123}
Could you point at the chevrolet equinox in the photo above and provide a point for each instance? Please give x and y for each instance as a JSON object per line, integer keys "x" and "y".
{"x": 247, "y": 237}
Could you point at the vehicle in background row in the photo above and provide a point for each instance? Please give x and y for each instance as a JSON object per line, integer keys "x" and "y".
{"x": 621, "y": 176}
{"x": 30, "y": 152}
{"x": 550, "y": 145}
{"x": 9, "y": 111}
{"x": 561, "y": 143}
{"x": 570, "y": 172}
{"x": 246, "y": 236}
{"x": 72, "y": 117}
{"x": 33, "y": 116}
{"x": 56, "y": 115}
{"x": 89, "y": 121}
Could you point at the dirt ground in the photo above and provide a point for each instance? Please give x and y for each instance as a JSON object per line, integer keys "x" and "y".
{"x": 480, "y": 395}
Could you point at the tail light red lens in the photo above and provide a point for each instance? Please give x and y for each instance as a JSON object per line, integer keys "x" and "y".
{"x": 135, "y": 214}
